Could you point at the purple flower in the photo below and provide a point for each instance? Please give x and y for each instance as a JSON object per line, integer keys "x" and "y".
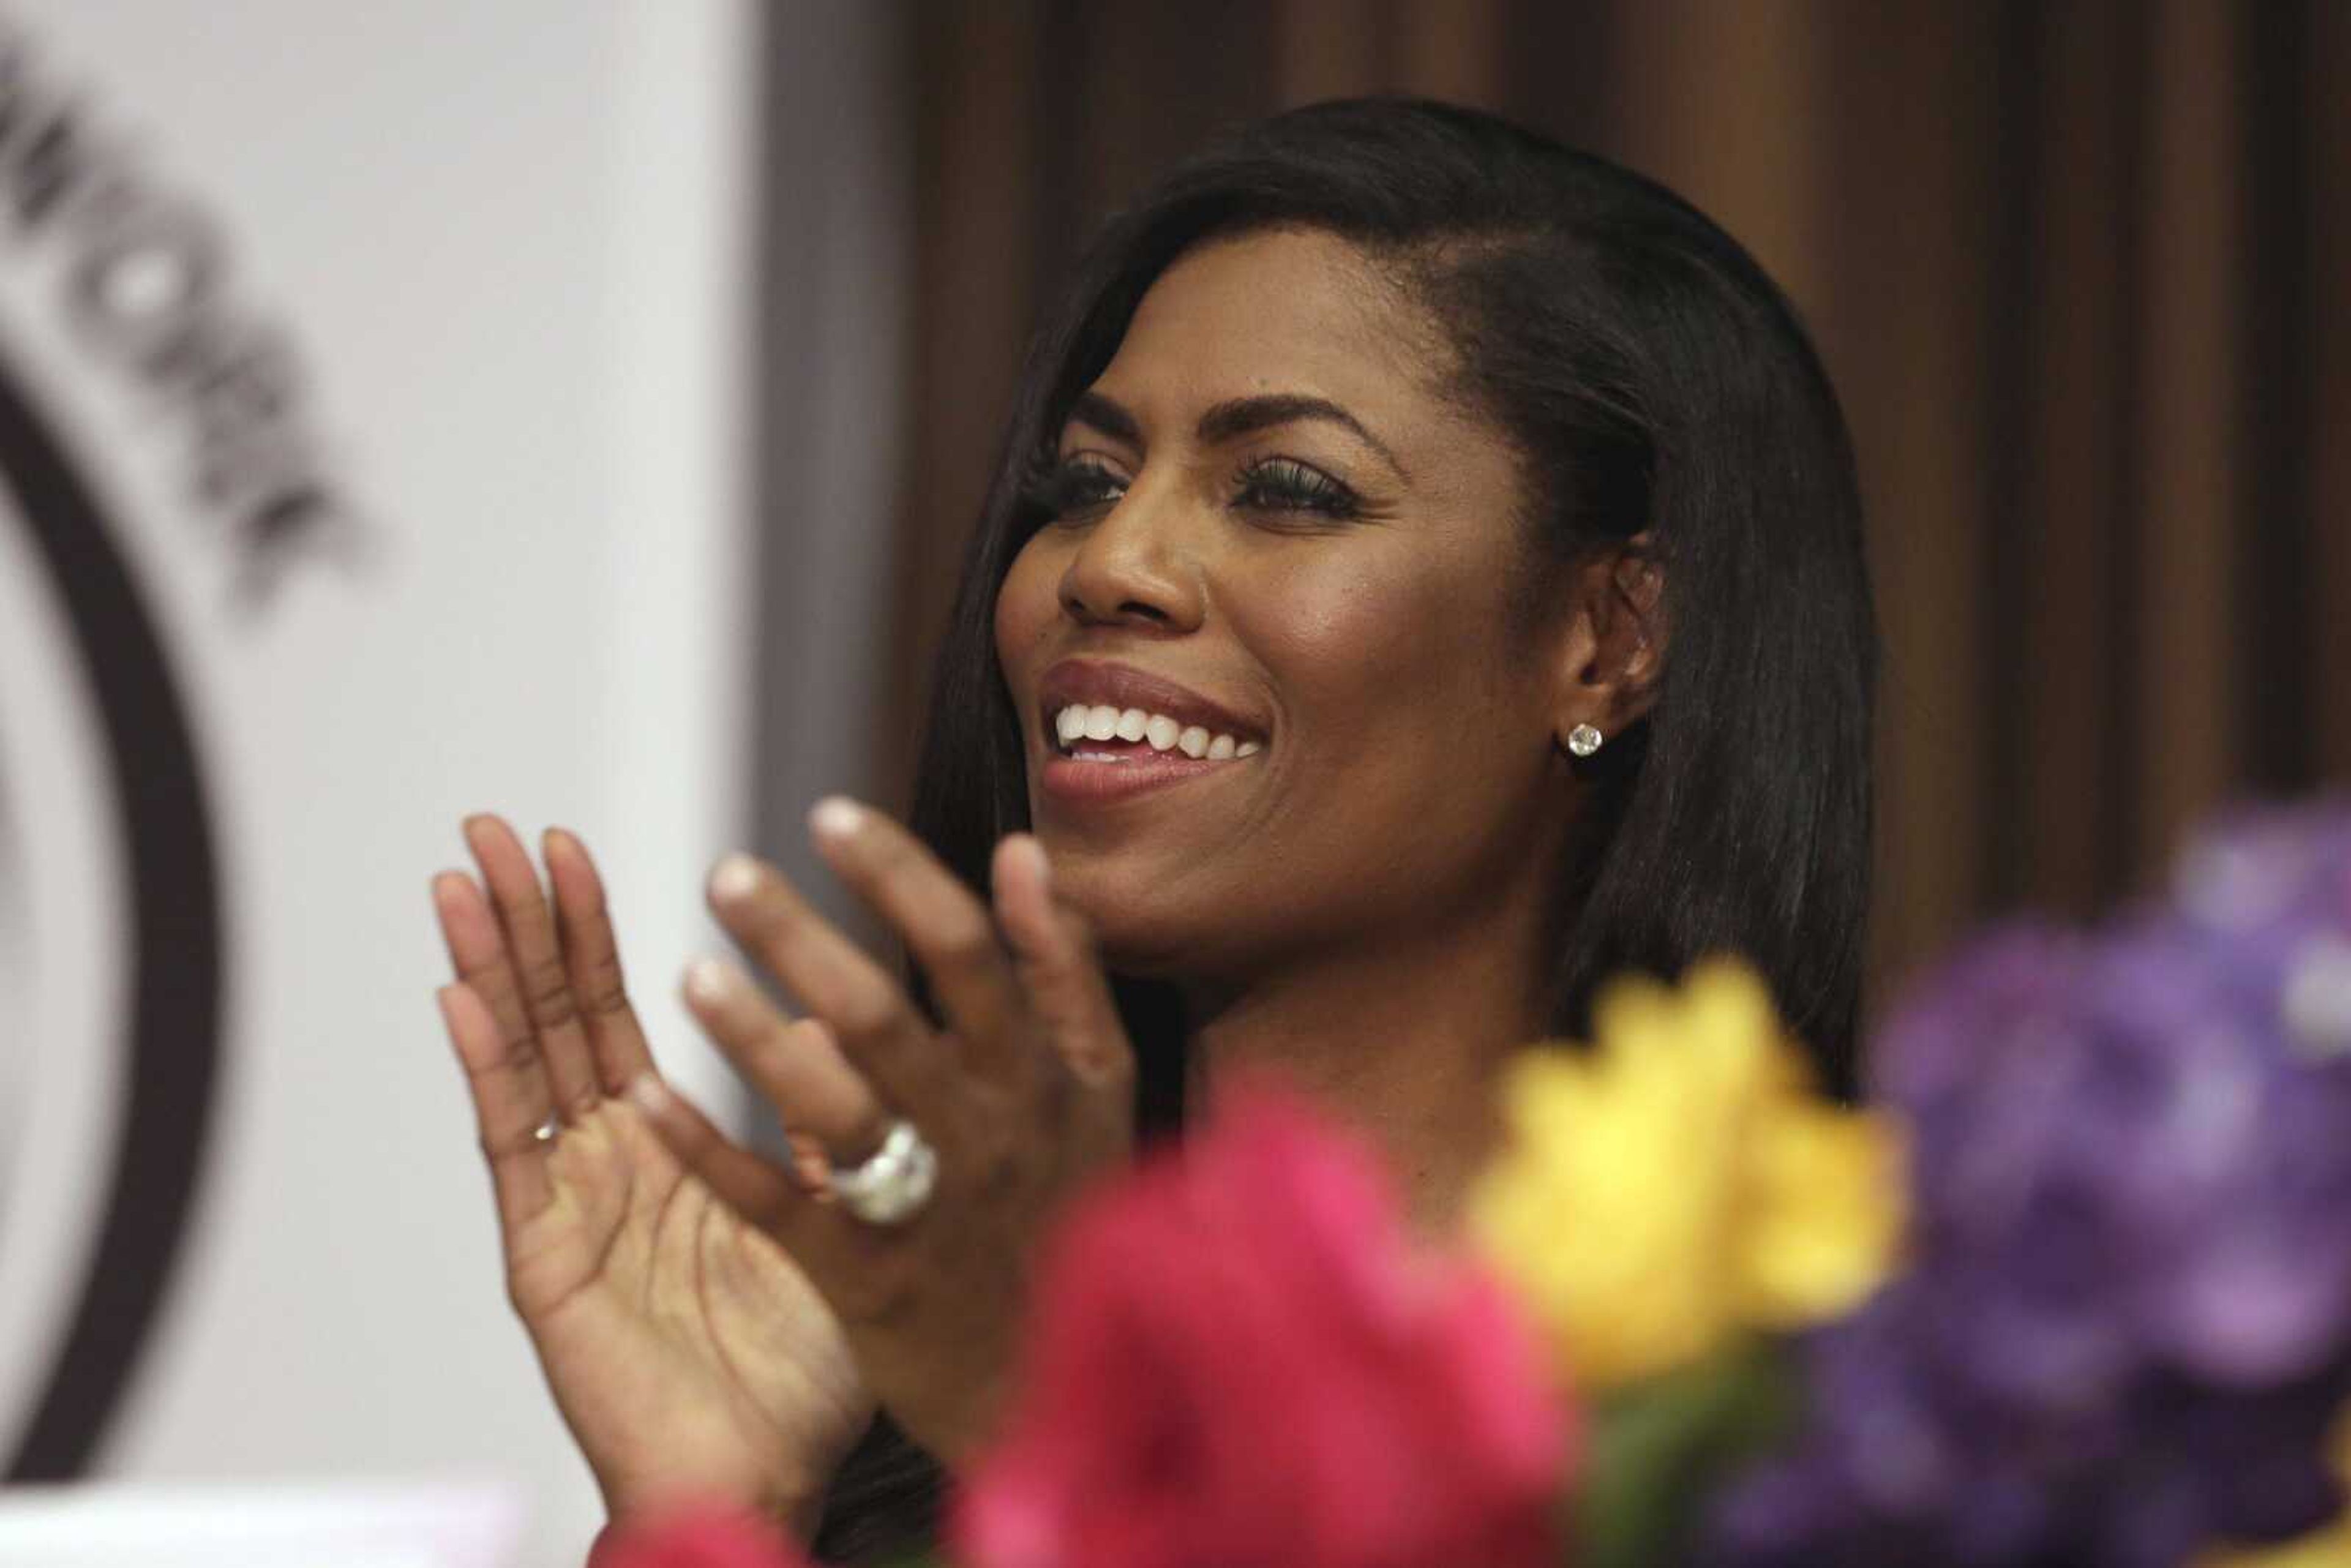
{"x": 2126, "y": 1320}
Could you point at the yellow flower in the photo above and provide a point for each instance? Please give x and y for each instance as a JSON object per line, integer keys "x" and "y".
{"x": 1681, "y": 1182}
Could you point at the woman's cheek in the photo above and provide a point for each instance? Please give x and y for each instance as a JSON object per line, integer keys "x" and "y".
{"x": 1339, "y": 637}
{"x": 1024, "y": 604}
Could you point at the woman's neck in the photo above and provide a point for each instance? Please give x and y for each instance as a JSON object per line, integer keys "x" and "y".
{"x": 1401, "y": 1043}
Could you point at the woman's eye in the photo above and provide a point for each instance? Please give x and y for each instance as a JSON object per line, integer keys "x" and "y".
{"x": 1073, "y": 486}
{"x": 1286, "y": 485}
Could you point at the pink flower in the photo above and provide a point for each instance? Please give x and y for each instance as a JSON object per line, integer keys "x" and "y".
{"x": 704, "y": 1538}
{"x": 1238, "y": 1360}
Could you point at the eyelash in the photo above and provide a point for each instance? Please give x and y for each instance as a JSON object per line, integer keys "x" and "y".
{"x": 1286, "y": 485}
{"x": 1060, "y": 488}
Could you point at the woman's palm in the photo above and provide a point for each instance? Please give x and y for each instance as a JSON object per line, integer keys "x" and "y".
{"x": 682, "y": 1342}
{"x": 690, "y": 1357}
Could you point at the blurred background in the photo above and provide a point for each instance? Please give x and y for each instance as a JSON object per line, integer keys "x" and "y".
{"x": 574, "y": 407}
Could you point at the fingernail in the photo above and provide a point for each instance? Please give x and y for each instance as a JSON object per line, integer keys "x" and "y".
{"x": 1044, "y": 864}
{"x": 737, "y": 876}
{"x": 836, "y": 817}
{"x": 707, "y": 981}
{"x": 647, "y": 1095}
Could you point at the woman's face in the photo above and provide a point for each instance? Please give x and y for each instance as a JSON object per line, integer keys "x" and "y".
{"x": 1273, "y": 526}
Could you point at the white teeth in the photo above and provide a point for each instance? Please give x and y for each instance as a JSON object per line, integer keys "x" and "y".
{"x": 1078, "y": 722}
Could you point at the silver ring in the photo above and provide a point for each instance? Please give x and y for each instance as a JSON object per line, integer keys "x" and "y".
{"x": 545, "y": 1132}
{"x": 892, "y": 1184}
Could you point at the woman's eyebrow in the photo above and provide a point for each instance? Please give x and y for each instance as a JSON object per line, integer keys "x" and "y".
{"x": 1234, "y": 417}
{"x": 1246, "y": 415}
{"x": 1092, "y": 408}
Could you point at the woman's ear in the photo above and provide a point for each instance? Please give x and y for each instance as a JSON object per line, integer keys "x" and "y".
{"x": 1614, "y": 646}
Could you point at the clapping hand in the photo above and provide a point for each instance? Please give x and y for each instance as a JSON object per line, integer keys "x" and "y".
{"x": 691, "y": 1359}
{"x": 1026, "y": 1095}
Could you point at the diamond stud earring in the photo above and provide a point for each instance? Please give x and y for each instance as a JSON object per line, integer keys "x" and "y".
{"x": 1583, "y": 740}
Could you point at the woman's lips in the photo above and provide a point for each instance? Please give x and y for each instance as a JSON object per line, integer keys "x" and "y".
{"x": 1074, "y": 782}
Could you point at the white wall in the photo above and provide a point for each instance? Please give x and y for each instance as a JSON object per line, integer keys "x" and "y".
{"x": 510, "y": 242}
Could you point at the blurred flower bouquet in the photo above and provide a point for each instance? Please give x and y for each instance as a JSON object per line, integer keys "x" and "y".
{"x": 2075, "y": 1289}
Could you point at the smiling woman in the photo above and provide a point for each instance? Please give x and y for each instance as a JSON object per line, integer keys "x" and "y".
{"x": 1432, "y": 449}
{"x": 1424, "y": 578}
{"x": 1276, "y": 552}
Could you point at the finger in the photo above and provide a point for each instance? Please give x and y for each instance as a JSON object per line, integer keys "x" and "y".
{"x": 509, "y": 1106}
{"x": 592, "y": 956}
{"x": 543, "y": 985}
{"x": 875, "y": 1025}
{"x": 945, "y": 926}
{"x": 795, "y": 1063}
{"x": 1054, "y": 946}
{"x": 754, "y": 1190}
{"x": 477, "y": 952}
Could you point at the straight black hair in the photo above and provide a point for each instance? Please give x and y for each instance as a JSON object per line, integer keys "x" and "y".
{"x": 1655, "y": 384}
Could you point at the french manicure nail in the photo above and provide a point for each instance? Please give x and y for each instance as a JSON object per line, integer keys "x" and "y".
{"x": 737, "y": 876}
{"x": 836, "y": 817}
{"x": 706, "y": 980}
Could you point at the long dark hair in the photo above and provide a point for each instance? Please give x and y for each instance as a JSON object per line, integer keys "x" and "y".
{"x": 1653, "y": 382}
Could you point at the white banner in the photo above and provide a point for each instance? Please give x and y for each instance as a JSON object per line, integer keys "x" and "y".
{"x": 372, "y": 450}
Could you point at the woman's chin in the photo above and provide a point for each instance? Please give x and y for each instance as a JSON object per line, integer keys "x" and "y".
{"x": 1138, "y": 928}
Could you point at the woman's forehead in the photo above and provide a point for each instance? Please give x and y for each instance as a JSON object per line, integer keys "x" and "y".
{"x": 1287, "y": 313}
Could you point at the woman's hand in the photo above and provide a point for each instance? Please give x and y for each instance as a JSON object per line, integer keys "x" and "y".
{"x": 1027, "y": 1097}
{"x": 690, "y": 1358}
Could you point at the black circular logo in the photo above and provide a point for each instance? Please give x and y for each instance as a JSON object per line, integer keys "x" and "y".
{"x": 166, "y": 1025}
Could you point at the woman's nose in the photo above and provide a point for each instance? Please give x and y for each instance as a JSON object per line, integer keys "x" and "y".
{"x": 1135, "y": 565}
